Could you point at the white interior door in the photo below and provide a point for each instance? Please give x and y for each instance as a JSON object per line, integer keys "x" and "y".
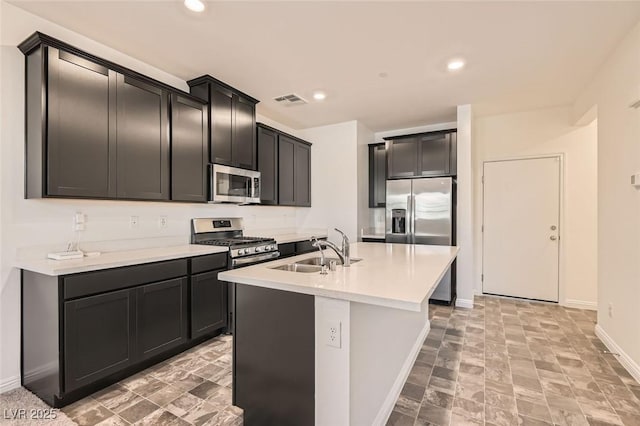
{"x": 522, "y": 228}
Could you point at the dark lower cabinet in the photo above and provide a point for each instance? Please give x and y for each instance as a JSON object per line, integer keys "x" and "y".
{"x": 99, "y": 337}
{"x": 208, "y": 304}
{"x": 161, "y": 317}
{"x": 142, "y": 140}
{"x": 189, "y": 149}
{"x": 274, "y": 356}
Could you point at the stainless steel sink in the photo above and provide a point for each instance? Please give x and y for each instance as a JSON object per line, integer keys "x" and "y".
{"x": 318, "y": 260}
{"x": 297, "y": 267}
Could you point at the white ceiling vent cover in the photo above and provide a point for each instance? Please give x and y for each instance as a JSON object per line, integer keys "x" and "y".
{"x": 290, "y": 99}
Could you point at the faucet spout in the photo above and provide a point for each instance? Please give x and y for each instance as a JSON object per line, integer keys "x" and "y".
{"x": 322, "y": 243}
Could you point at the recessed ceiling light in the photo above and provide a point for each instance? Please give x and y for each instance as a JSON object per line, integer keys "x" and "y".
{"x": 319, "y": 96}
{"x": 455, "y": 64}
{"x": 194, "y": 5}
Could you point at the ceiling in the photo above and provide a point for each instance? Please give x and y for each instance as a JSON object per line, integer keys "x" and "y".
{"x": 382, "y": 63}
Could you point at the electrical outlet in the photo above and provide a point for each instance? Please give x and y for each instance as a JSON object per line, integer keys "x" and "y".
{"x": 333, "y": 334}
{"x": 610, "y": 310}
{"x": 134, "y": 221}
{"x": 162, "y": 222}
{"x": 78, "y": 222}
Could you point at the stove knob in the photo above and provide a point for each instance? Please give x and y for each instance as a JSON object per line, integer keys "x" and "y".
{"x": 241, "y": 251}
{"x": 259, "y": 249}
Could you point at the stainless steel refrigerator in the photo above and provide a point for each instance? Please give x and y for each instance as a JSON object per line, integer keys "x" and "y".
{"x": 422, "y": 211}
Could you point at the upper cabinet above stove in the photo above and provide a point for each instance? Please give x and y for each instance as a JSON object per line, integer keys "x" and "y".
{"x": 96, "y": 129}
{"x": 232, "y": 122}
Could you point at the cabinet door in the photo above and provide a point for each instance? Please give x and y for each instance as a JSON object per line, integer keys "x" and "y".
{"x": 377, "y": 175}
{"x": 81, "y": 133}
{"x": 434, "y": 154}
{"x": 188, "y": 150}
{"x": 161, "y": 316}
{"x": 302, "y": 174}
{"x": 221, "y": 123}
{"x": 243, "y": 149}
{"x": 268, "y": 165}
{"x": 208, "y": 304}
{"x": 143, "y": 143}
{"x": 286, "y": 176}
{"x": 99, "y": 336}
{"x": 402, "y": 157}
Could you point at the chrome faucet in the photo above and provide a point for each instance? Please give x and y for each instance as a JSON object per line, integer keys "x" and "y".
{"x": 316, "y": 243}
{"x": 343, "y": 253}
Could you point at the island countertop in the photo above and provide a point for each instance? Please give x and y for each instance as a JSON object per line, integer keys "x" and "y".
{"x": 399, "y": 276}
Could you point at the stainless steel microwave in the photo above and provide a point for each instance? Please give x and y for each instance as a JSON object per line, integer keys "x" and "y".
{"x": 233, "y": 185}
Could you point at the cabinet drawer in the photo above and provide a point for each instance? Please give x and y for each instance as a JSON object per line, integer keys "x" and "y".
{"x": 114, "y": 279}
{"x": 209, "y": 262}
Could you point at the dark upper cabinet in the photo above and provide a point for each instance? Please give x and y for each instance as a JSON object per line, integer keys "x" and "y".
{"x": 377, "y": 175}
{"x": 99, "y": 337}
{"x": 427, "y": 154}
{"x": 95, "y": 129}
{"x": 232, "y": 119}
{"x": 268, "y": 165}
{"x": 286, "y": 173}
{"x": 142, "y": 140}
{"x": 302, "y": 174}
{"x": 243, "y": 150}
{"x": 402, "y": 157}
{"x": 70, "y": 126}
{"x": 208, "y": 304}
{"x": 437, "y": 154}
{"x": 284, "y": 163}
{"x": 161, "y": 317}
{"x": 189, "y": 150}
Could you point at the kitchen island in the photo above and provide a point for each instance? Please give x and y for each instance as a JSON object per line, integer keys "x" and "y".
{"x": 332, "y": 349}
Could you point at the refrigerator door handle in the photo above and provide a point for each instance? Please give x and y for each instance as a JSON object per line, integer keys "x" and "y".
{"x": 409, "y": 218}
{"x": 413, "y": 218}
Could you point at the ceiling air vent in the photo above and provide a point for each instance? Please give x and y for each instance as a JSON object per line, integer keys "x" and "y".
{"x": 291, "y": 99}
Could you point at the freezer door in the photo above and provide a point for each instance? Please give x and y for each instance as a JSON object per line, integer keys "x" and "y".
{"x": 432, "y": 216}
{"x": 398, "y": 218}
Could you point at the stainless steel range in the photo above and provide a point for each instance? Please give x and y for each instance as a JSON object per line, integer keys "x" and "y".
{"x": 228, "y": 232}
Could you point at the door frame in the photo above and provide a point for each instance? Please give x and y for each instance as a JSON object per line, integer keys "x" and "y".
{"x": 561, "y": 235}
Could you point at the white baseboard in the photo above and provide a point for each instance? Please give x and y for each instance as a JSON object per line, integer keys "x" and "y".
{"x": 394, "y": 392}
{"x": 580, "y": 304}
{"x": 9, "y": 384}
{"x": 464, "y": 303}
{"x": 629, "y": 364}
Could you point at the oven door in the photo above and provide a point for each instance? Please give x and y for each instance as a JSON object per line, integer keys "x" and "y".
{"x": 239, "y": 262}
{"x": 233, "y": 185}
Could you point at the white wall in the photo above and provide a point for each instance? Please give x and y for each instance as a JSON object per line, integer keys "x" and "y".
{"x": 548, "y": 131}
{"x": 615, "y": 87}
{"x": 334, "y": 179}
{"x": 465, "y": 265}
{"x": 365, "y": 137}
{"x": 29, "y": 227}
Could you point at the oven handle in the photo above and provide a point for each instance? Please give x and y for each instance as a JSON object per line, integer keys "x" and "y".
{"x": 255, "y": 259}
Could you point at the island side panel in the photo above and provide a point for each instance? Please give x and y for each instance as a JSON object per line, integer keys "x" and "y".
{"x": 274, "y": 356}
{"x": 385, "y": 343}
{"x": 40, "y": 338}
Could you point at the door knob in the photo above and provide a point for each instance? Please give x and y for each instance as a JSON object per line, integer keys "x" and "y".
{"x": 553, "y": 227}
{"x": 553, "y": 238}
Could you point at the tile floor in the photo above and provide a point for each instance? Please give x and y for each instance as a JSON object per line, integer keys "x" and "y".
{"x": 511, "y": 362}
{"x": 504, "y": 362}
{"x": 193, "y": 387}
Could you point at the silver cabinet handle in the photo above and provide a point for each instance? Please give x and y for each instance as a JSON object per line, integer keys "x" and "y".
{"x": 553, "y": 238}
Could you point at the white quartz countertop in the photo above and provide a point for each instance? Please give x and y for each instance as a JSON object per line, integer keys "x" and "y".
{"x": 115, "y": 259}
{"x": 393, "y": 275}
